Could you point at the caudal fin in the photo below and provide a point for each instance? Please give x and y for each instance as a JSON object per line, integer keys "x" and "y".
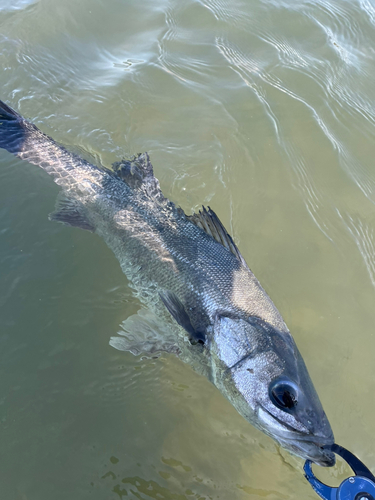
{"x": 7, "y": 113}
{"x": 12, "y": 132}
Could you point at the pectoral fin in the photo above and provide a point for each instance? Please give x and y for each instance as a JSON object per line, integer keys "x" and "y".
{"x": 178, "y": 311}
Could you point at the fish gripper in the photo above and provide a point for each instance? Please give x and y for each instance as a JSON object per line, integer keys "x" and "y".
{"x": 358, "y": 487}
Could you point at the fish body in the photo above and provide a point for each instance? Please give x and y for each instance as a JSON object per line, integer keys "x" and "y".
{"x": 188, "y": 267}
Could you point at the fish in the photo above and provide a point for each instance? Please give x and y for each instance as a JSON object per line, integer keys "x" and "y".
{"x": 200, "y": 300}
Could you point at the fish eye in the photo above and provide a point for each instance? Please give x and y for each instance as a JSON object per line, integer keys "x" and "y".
{"x": 283, "y": 394}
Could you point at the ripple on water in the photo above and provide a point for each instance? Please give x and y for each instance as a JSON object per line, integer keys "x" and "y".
{"x": 369, "y": 9}
{"x": 14, "y": 5}
{"x": 126, "y": 377}
{"x": 232, "y": 14}
{"x": 343, "y": 105}
{"x": 363, "y": 235}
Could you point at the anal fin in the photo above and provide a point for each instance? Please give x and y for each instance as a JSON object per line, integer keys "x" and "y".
{"x": 144, "y": 333}
{"x": 70, "y": 212}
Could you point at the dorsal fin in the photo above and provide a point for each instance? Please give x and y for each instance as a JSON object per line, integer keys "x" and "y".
{"x": 138, "y": 173}
{"x": 207, "y": 220}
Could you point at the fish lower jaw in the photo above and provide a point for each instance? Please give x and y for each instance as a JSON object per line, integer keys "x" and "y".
{"x": 308, "y": 450}
{"x": 308, "y": 447}
{"x": 303, "y": 445}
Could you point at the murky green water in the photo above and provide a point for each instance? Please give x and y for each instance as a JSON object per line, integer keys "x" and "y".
{"x": 265, "y": 111}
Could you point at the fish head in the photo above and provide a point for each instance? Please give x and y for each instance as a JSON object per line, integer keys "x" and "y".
{"x": 260, "y": 370}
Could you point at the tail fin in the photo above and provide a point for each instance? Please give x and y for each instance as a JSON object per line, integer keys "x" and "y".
{"x": 7, "y": 113}
{"x": 11, "y": 129}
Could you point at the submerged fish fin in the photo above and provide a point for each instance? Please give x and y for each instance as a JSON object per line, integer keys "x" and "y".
{"x": 177, "y": 310}
{"x": 207, "y": 220}
{"x": 144, "y": 333}
{"x": 70, "y": 212}
{"x": 138, "y": 173}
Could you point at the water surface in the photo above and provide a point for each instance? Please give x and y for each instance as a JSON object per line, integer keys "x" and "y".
{"x": 265, "y": 111}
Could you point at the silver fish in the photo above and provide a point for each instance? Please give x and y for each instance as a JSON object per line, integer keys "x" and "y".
{"x": 187, "y": 267}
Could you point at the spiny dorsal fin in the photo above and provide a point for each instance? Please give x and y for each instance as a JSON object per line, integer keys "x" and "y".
{"x": 207, "y": 220}
{"x": 138, "y": 173}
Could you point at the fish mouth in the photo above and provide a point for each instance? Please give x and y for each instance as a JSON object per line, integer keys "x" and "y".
{"x": 309, "y": 450}
{"x": 307, "y": 446}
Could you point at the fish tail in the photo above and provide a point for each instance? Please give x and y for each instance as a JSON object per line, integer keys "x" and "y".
{"x": 25, "y": 140}
{"x": 11, "y": 129}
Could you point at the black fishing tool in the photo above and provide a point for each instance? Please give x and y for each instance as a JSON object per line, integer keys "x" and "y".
{"x": 358, "y": 487}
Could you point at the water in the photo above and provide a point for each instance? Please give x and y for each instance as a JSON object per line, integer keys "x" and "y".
{"x": 261, "y": 109}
